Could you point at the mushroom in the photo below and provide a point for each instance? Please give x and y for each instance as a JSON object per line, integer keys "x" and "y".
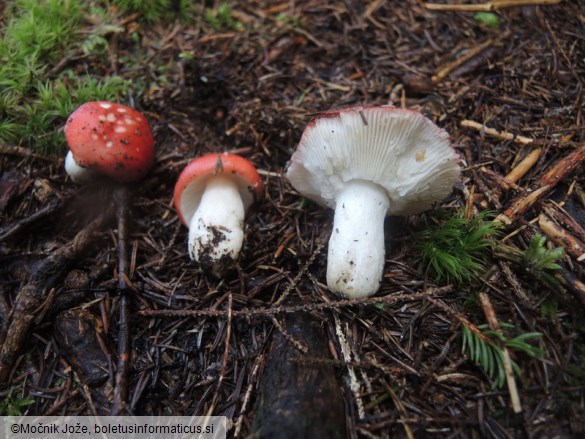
{"x": 109, "y": 139}
{"x": 367, "y": 162}
{"x": 212, "y": 195}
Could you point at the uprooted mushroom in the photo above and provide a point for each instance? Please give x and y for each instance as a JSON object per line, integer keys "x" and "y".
{"x": 367, "y": 162}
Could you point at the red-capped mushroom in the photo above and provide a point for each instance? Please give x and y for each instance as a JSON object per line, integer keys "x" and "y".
{"x": 212, "y": 195}
{"x": 109, "y": 139}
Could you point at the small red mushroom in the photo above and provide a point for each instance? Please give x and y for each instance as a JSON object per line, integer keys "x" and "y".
{"x": 109, "y": 139}
{"x": 212, "y": 195}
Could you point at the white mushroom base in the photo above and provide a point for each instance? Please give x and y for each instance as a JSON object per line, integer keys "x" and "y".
{"x": 355, "y": 261}
{"x": 78, "y": 174}
{"x": 216, "y": 229}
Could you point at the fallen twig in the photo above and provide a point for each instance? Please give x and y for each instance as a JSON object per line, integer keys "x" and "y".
{"x": 494, "y": 5}
{"x": 267, "y": 312}
{"x": 446, "y": 70}
{"x": 558, "y": 214}
{"x": 33, "y": 294}
{"x": 252, "y": 380}
{"x": 24, "y": 152}
{"x": 494, "y": 325}
{"x": 504, "y": 135}
{"x": 402, "y": 412}
{"x": 123, "y": 365}
{"x": 225, "y": 357}
{"x": 520, "y": 205}
{"x": 559, "y": 170}
{"x": 563, "y": 167}
{"x": 47, "y": 210}
{"x": 492, "y": 321}
{"x": 354, "y": 385}
{"x": 301, "y": 272}
{"x": 502, "y": 183}
{"x": 573, "y": 284}
{"x": 298, "y": 344}
{"x": 524, "y": 166}
{"x": 561, "y": 237}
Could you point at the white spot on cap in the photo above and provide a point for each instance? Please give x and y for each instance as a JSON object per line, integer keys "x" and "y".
{"x": 129, "y": 121}
{"x": 109, "y": 144}
{"x": 111, "y": 117}
{"x": 121, "y": 110}
{"x": 102, "y": 118}
{"x": 94, "y": 136}
{"x": 119, "y": 129}
{"x": 104, "y": 137}
{"x": 105, "y": 105}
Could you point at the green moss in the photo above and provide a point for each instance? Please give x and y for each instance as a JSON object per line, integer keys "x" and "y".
{"x": 34, "y": 101}
{"x": 13, "y": 404}
{"x": 156, "y": 10}
{"x": 221, "y": 18}
{"x": 454, "y": 249}
{"x": 39, "y": 30}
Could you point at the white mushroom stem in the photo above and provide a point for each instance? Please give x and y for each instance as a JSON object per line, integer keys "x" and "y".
{"x": 216, "y": 229}
{"x": 355, "y": 262}
{"x": 78, "y": 174}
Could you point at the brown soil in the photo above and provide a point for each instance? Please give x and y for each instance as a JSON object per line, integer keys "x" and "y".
{"x": 251, "y": 91}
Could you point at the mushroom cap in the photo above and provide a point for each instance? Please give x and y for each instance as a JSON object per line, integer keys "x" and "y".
{"x": 398, "y": 149}
{"x": 111, "y": 139}
{"x": 192, "y": 180}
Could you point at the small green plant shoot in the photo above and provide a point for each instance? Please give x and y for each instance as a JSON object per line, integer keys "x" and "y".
{"x": 487, "y": 19}
{"x": 454, "y": 249}
{"x": 154, "y": 11}
{"x": 222, "y": 18}
{"x": 485, "y": 347}
{"x": 12, "y": 405}
{"x": 538, "y": 258}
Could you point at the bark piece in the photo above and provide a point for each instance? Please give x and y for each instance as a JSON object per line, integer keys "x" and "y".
{"x": 35, "y": 292}
{"x": 299, "y": 396}
{"x": 77, "y": 332}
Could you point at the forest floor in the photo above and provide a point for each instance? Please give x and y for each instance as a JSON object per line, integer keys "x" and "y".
{"x": 503, "y": 91}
